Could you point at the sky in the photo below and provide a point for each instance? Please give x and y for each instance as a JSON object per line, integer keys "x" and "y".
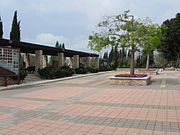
{"x": 72, "y": 21}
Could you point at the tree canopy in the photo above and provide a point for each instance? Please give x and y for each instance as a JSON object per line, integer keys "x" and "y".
{"x": 170, "y": 45}
{"x": 151, "y": 38}
{"x": 121, "y": 30}
{"x": 15, "y": 29}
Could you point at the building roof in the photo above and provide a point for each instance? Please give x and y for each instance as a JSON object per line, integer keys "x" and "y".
{"x": 47, "y": 50}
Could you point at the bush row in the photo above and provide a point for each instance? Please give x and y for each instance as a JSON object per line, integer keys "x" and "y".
{"x": 52, "y": 72}
{"x": 65, "y": 71}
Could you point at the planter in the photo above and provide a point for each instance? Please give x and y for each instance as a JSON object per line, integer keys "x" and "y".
{"x": 137, "y": 80}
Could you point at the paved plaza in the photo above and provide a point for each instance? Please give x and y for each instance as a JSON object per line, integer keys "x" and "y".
{"x": 90, "y": 106}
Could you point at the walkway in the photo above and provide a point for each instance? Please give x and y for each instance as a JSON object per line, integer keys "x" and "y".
{"x": 90, "y": 106}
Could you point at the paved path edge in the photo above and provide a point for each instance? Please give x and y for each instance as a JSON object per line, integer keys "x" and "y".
{"x": 53, "y": 80}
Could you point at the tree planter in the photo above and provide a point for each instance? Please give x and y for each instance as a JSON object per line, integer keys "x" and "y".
{"x": 136, "y": 80}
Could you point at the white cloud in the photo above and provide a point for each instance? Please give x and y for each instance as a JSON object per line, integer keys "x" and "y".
{"x": 51, "y": 18}
{"x": 48, "y": 38}
{"x": 78, "y": 43}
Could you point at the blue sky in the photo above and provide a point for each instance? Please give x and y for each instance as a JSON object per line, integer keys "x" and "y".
{"x": 71, "y": 21}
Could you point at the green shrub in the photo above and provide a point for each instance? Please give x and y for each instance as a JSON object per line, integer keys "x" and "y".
{"x": 81, "y": 70}
{"x": 105, "y": 68}
{"x": 68, "y": 71}
{"x": 52, "y": 72}
{"x": 92, "y": 70}
{"x": 22, "y": 73}
{"x": 47, "y": 72}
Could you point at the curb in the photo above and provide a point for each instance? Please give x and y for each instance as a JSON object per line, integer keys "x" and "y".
{"x": 49, "y": 81}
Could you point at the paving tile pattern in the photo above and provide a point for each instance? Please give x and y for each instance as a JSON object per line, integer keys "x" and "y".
{"x": 90, "y": 106}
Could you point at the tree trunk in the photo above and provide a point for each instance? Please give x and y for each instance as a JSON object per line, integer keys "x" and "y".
{"x": 132, "y": 61}
{"x": 147, "y": 62}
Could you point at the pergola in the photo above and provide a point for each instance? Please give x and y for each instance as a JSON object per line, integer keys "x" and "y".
{"x": 42, "y": 50}
{"x": 47, "y": 50}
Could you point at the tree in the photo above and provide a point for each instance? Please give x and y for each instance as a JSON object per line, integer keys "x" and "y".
{"x": 15, "y": 29}
{"x": 105, "y": 56}
{"x": 170, "y": 45}
{"x": 63, "y": 46}
{"x": 57, "y": 44}
{"x": 160, "y": 61}
{"x": 121, "y": 30}
{"x": 151, "y": 39}
{"x": 1, "y": 29}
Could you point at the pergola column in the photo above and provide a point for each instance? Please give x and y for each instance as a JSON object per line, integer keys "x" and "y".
{"x": 75, "y": 61}
{"x": 39, "y": 60}
{"x": 88, "y": 61}
{"x": 45, "y": 61}
{"x": 26, "y": 60}
{"x": 61, "y": 60}
{"x": 97, "y": 62}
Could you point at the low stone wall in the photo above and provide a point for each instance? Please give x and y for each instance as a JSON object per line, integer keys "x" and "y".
{"x": 170, "y": 69}
{"x": 130, "y": 81}
{"x": 148, "y": 72}
{"x": 9, "y": 81}
{"x": 122, "y": 69}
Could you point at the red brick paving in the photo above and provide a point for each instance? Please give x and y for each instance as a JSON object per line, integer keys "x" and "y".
{"x": 121, "y": 112}
{"x": 4, "y": 115}
{"x": 55, "y": 93}
{"x": 22, "y": 104}
{"x": 49, "y": 127}
{"x": 120, "y": 96}
{"x": 141, "y": 97}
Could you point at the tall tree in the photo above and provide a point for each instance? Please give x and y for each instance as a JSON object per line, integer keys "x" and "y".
{"x": 63, "y": 46}
{"x": 170, "y": 45}
{"x": 15, "y": 29}
{"x": 151, "y": 38}
{"x": 57, "y": 44}
{"x": 105, "y": 56}
{"x": 121, "y": 30}
{"x": 1, "y": 29}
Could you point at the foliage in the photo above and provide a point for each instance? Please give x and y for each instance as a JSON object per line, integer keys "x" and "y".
{"x": 59, "y": 45}
{"x": 52, "y": 72}
{"x": 151, "y": 38}
{"x": 23, "y": 74}
{"x": 15, "y": 29}
{"x": 121, "y": 30}
{"x": 170, "y": 45}
{"x": 141, "y": 60}
{"x": 81, "y": 70}
{"x": 1, "y": 28}
{"x": 160, "y": 61}
{"x": 92, "y": 70}
{"x": 105, "y": 68}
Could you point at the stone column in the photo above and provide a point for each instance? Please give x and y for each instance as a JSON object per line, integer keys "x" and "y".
{"x": 75, "y": 61}
{"x": 85, "y": 61}
{"x": 44, "y": 61}
{"x": 88, "y": 61}
{"x": 26, "y": 60}
{"x": 97, "y": 62}
{"x": 61, "y": 60}
{"x": 39, "y": 60}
